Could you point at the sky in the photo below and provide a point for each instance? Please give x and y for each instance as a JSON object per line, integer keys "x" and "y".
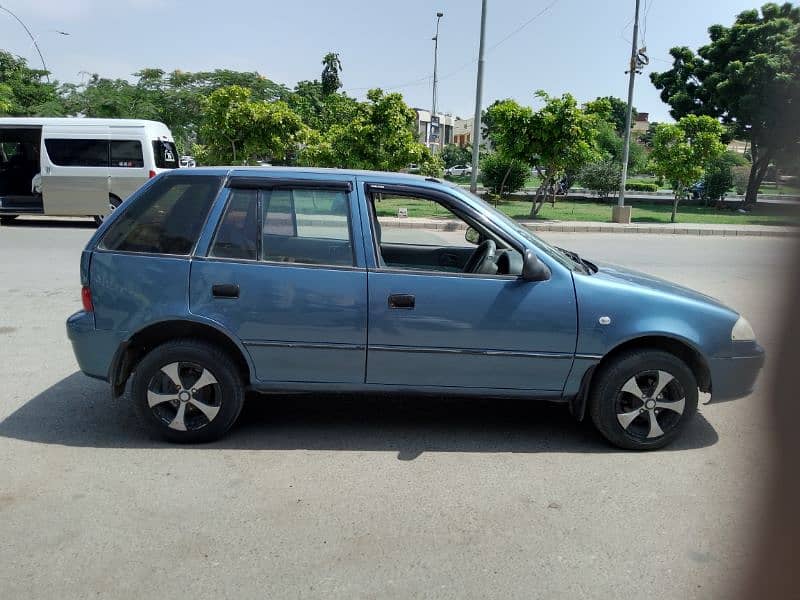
{"x": 576, "y": 46}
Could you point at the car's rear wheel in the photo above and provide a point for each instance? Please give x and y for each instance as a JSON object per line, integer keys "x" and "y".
{"x": 188, "y": 391}
{"x": 642, "y": 400}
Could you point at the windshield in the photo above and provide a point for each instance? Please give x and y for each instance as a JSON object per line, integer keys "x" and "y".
{"x": 556, "y": 254}
{"x": 166, "y": 154}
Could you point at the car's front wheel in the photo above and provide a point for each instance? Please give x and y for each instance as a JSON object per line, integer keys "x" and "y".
{"x": 642, "y": 400}
{"x": 188, "y": 391}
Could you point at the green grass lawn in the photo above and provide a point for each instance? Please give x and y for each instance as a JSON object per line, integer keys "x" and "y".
{"x": 571, "y": 210}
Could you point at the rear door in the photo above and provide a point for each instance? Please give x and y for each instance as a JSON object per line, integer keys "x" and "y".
{"x": 281, "y": 271}
{"x": 75, "y": 177}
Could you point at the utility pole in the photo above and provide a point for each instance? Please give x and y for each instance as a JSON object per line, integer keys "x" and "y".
{"x": 431, "y": 136}
{"x": 33, "y": 39}
{"x": 476, "y": 125}
{"x": 621, "y": 213}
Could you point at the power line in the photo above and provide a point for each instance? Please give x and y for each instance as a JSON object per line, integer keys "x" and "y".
{"x": 426, "y": 79}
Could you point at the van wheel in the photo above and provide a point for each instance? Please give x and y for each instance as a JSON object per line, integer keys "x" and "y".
{"x": 643, "y": 399}
{"x": 188, "y": 391}
{"x": 113, "y": 204}
{"x": 6, "y": 219}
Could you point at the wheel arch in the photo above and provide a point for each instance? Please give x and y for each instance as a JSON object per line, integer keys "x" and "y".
{"x": 139, "y": 344}
{"x": 678, "y": 347}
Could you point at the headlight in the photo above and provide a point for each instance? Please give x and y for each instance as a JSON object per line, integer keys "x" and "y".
{"x": 742, "y": 331}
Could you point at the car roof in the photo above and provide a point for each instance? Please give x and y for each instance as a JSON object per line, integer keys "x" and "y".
{"x": 301, "y": 171}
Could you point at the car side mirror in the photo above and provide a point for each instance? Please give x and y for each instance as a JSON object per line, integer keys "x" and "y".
{"x": 472, "y": 236}
{"x": 533, "y": 269}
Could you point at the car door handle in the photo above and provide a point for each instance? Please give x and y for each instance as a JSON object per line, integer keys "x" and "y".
{"x": 401, "y": 301}
{"x": 225, "y": 290}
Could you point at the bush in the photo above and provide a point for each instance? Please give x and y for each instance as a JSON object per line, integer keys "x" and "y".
{"x": 453, "y": 155}
{"x": 603, "y": 177}
{"x": 641, "y": 187}
{"x": 493, "y": 170}
{"x": 717, "y": 180}
{"x": 741, "y": 176}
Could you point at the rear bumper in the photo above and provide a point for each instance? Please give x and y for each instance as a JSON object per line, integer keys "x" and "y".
{"x": 734, "y": 377}
{"x": 94, "y": 349}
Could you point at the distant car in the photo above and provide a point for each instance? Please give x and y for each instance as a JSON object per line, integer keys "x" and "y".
{"x": 211, "y": 282}
{"x": 413, "y": 168}
{"x": 187, "y": 162}
{"x": 458, "y": 171}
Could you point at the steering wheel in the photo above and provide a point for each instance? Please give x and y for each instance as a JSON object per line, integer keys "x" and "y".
{"x": 482, "y": 258}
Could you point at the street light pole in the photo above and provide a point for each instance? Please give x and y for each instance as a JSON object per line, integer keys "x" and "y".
{"x": 621, "y": 215}
{"x": 33, "y": 39}
{"x": 476, "y": 125}
{"x": 439, "y": 16}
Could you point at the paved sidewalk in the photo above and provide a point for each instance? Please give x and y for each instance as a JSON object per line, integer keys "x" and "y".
{"x": 599, "y": 227}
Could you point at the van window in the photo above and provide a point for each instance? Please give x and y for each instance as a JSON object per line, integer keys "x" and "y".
{"x": 77, "y": 153}
{"x": 166, "y": 154}
{"x": 126, "y": 153}
{"x": 166, "y": 218}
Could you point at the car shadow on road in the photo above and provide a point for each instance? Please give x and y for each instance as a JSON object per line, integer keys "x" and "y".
{"x": 78, "y": 411}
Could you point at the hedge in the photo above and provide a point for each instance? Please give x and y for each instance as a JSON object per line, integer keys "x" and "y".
{"x": 641, "y": 187}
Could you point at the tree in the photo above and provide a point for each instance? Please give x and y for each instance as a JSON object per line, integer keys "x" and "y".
{"x": 682, "y": 150}
{"x": 381, "y": 135}
{"x": 237, "y": 129}
{"x": 748, "y": 76}
{"x": 23, "y": 91}
{"x": 453, "y": 155}
{"x": 320, "y": 111}
{"x": 503, "y": 175}
{"x": 330, "y": 73}
{"x": 612, "y": 145}
{"x": 557, "y": 139}
{"x": 603, "y": 177}
{"x": 613, "y": 110}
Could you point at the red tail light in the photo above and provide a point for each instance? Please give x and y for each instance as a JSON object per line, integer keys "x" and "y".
{"x": 86, "y": 298}
{"x": 152, "y": 174}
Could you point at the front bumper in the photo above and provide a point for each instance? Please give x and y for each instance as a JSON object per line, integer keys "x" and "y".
{"x": 735, "y": 376}
{"x": 93, "y": 348}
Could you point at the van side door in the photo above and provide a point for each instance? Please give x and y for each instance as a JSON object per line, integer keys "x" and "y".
{"x": 127, "y": 168}
{"x": 75, "y": 177}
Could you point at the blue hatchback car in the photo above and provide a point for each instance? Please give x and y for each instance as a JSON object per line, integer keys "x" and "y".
{"x": 211, "y": 282}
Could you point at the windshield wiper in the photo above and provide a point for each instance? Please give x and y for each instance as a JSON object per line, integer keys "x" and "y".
{"x": 576, "y": 257}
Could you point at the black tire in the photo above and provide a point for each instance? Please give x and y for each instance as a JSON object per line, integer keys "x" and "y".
{"x": 6, "y": 219}
{"x": 624, "y": 417}
{"x": 222, "y": 399}
{"x": 113, "y": 203}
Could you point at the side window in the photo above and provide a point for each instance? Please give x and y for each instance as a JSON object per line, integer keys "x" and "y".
{"x": 166, "y": 218}
{"x": 237, "y": 234}
{"x": 77, "y": 153}
{"x": 307, "y": 226}
{"x": 126, "y": 153}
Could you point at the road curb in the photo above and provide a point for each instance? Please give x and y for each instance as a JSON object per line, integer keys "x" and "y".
{"x": 599, "y": 227}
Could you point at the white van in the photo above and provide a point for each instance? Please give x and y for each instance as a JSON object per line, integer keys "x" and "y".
{"x": 77, "y": 167}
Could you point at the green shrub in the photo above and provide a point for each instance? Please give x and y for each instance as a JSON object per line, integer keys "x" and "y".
{"x": 603, "y": 177}
{"x": 641, "y": 187}
{"x": 493, "y": 170}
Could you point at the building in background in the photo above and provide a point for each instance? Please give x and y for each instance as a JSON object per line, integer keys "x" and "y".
{"x": 437, "y": 136}
{"x": 642, "y": 122}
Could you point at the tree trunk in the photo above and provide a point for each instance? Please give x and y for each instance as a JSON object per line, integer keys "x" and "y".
{"x": 675, "y": 201}
{"x": 761, "y": 160}
{"x": 538, "y": 200}
{"x": 503, "y": 183}
{"x": 233, "y": 147}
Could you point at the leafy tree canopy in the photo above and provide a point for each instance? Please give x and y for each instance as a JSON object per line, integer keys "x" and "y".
{"x": 23, "y": 91}
{"x": 748, "y": 76}
{"x": 611, "y": 109}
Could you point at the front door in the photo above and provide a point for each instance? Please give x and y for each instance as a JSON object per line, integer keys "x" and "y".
{"x": 431, "y": 324}
{"x": 75, "y": 177}
{"x": 281, "y": 274}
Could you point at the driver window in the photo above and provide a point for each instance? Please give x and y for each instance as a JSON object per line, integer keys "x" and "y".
{"x": 404, "y": 241}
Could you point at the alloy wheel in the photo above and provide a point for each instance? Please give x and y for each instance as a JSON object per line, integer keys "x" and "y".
{"x": 650, "y": 404}
{"x": 184, "y": 395}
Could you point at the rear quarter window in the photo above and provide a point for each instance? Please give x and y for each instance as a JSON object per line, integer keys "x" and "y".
{"x": 165, "y": 154}
{"x": 166, "y": 218}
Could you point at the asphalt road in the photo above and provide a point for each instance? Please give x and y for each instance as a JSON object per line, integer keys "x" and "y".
{"x": 369, "y": 497}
